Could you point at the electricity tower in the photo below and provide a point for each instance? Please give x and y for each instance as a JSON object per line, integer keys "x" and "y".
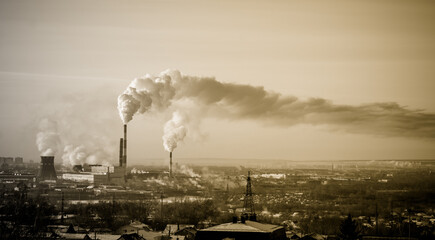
{"x": 248, "y": 206}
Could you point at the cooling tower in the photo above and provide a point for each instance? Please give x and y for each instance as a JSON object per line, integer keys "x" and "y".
{"x": 121, "y": 153}
{"x": 47, "y": 171}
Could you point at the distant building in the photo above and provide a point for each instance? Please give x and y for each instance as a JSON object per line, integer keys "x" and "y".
{"x": 18, "y": 160}
{"x": 242, "y": 231}
{"x": 11, "y": 180}
{"x": 8, "y": 160}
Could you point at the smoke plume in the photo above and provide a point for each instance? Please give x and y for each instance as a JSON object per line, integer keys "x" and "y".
{"x": 80, "y": 155}
{"x": 174, "y": 131}
{"x": 47, "y": 139}
{"x": 146, "y": 92}
{"x": 75, "y": 126}
{"x": 238, "y": 101}
{"x": 183, "y": 169}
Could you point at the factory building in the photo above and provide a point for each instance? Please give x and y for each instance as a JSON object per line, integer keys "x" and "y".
{"x": 118, "y": 176}
{"x": 10, "y": 180}
{"x": 99, "y": 169}
{"x": 98, "y": 175}
{"x": 78, "y": 177}
{"x": 95, "y": 179}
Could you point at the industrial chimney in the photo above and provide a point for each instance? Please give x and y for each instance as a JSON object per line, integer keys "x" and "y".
{"x": 121, "y": 152}
{"x": 125, "y": 146}
{"x": 170, "y": 164}
{"x": 47, "y": 171}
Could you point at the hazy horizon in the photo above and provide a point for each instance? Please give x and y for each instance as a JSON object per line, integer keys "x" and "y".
{"x": 296, "y": 80}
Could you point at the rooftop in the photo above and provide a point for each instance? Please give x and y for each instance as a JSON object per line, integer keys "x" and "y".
{"x": 248, "y": 226}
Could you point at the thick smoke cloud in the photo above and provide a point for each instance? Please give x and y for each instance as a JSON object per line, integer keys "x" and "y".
{"x": 174, "y": 131}
{"x": 144, "y": 93}
{"x": 237, "y": 101}
{"x": 47, "y": 139}
{"x": 74, "y": 127}
{"x": 80, "y": 155}
{"x": 91, "y": 150}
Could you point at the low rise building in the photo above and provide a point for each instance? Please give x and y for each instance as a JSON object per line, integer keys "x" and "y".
{"x": 243, "y": 231}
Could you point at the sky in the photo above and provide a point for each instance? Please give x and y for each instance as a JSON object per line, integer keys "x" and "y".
{"x": 66, "y": 62}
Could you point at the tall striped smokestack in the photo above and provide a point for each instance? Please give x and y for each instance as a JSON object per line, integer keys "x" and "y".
{"x": 170, "y": 164}
{"x": 125, "y": 146}
{"x": 121, "y": 151}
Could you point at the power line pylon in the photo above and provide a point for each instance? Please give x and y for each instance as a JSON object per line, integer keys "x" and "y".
{"x": 248, "y": 205}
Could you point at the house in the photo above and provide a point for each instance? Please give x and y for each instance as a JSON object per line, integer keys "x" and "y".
{"x": 244, "y": 230}
{"x": 293, "y": 235}
{"x": 76, "y": 229}
{"x": 81, "y": 236}
{"x": 131, "y": 236}
{"x": 174, "y": 229}
{"x": 187, "y": 233}
{"x": 313, "y": 236}
{"x": 134, "y": 227}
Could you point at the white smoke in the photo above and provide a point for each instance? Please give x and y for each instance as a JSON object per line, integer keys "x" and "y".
{"x": 183, "y": 169}
{"x": 47, "y": 139}
{"x": 128, "y": 105}
{"x": 49, "y": 143}
{"x": 237, "y": 101}
{"x": 144, "y": 93}
{"x": 80, "y": 155}
{"x": 74, "y": 155}
{"x": 174, "y": 131}
{"x": 76, "y": 128}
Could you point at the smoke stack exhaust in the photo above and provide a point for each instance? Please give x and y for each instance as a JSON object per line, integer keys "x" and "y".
{"x": 121, "y": 151}
{"x": 125, "y": 146}
{"x": 170, "y": 164}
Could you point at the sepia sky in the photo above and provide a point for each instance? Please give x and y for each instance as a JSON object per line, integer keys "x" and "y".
{"x": 67, "y": 61}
